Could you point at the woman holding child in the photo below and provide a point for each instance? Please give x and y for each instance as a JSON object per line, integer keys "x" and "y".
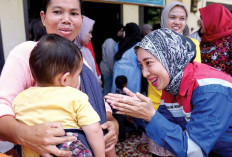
{"x": 194, "y": 118}
{"x": 62, "y": 17}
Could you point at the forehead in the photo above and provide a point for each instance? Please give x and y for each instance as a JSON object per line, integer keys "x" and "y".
{"x": 177, "y": 10}
{"x": 144, "y": 55}
{"x": 72, "y": 4}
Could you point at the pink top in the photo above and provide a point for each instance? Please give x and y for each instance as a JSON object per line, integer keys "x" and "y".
{"x": 16, "y": 77}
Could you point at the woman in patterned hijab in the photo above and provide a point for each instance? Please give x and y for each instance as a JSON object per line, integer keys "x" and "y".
{"x": 191, "y": 119}
{"x": 173, "y": 51}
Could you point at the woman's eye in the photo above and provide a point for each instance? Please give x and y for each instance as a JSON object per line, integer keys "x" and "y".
{"x": 182, "y": 19}
{"x": 148, "y": 62}
{"x": 57, "y": 11}
{"x": 172, "y": 17}
{"x": 74, "y": 14}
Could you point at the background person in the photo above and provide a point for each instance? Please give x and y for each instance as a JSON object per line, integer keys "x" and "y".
{"x": 36, "y": 30}
{"x": 83, "y": 38}
{"x": 125, "y": 60}
{"x": 198, "y": 34}
{"x": 145, "y": 29}
{"x": 174, "y": 16}
{"x": 121, "y": 82}
{"x": 62, "y": 17}
{"x": 191, "y": 120}
{"x": 216, "y": 43}
{"x": 108, "y": 51}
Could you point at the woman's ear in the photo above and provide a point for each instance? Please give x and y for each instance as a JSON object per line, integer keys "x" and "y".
{"x": 43, "y": 16}
{"x": 65, "y": 79}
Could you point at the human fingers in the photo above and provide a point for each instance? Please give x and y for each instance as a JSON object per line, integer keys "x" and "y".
{"x": 50, "y": 134}
{"x": 53, "y": 150}
{"x": 124, "y": 109}
{"x": 46, "y": 155}
{"x": 112, "y": 135}
{"x": 128, "y": 92}
{"x": 109, "y": 148}
{"x": 55, "y": 134}
{"x": 147, "y": 108}
{"x": 58, "y": 140}
{"x": 143, "y": 98}
{"x": 131, "y": 108}
{"x": 114, "y": 97}
{"x": 54, "y": 124}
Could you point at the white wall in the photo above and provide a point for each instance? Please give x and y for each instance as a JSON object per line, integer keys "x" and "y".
{"x": 12, "y": 24}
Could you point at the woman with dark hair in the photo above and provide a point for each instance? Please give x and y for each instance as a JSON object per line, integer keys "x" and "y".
{"x": 62, "y": 17}
{"x": 108, "y": 51}
{"x": 36, "y": 30}
{"x": 125, "y": 60}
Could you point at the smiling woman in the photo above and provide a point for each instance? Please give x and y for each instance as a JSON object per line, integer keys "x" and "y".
{"x": 174, "y": 16}
{"x": 177, "y": 19}
{"x": 62, "y": 17}
{"x": 191, "y": 120}
{"x": 152, "y": 69}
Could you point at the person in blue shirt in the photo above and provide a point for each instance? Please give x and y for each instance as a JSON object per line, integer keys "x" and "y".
{"x": 194, "y": 118}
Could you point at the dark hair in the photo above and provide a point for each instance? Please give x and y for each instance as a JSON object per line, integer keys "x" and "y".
{"x": 120, "y": 81}
{"x": 156, "y": 26}
{"x": 112, "y": 31}
{"x": 46, "y": 3}
{"x": 36, "y": 30}
{"x": 132, "y": 36}
{"x": 54, "y": 55}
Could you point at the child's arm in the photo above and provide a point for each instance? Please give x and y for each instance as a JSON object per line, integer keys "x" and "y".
{"x": 95, "y": 139}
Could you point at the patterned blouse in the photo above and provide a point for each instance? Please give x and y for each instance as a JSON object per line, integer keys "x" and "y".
{"x": 218, "y": 54}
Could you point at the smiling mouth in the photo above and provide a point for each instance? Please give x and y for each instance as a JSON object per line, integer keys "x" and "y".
{"x": 176, "y": 28}
{"x": 65, "y": 30}
{"x": 153, "y": 82}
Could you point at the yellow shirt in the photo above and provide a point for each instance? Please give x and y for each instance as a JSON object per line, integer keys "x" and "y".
{"x": 154, "y": 94}
{"x": 198, "y": 54}
{"x": 67, "y": 105}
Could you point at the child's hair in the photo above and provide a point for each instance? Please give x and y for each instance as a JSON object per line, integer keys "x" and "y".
{"x": 121, "y": 81}
{"x": 53, "y": 55}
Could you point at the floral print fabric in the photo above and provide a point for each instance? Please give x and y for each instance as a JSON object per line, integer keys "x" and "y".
{"x": 218, "y": 54}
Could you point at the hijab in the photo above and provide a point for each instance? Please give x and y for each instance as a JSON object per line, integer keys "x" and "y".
{"x": 173, "y": 50}
{"x": 112, "y": 31}
{"x": 145, "y": 29}
{"x": 217, "y": 21}
{"x": 86, "y": 26}
{"x": 132, "y": 36}
{"x": 165, "y": 13}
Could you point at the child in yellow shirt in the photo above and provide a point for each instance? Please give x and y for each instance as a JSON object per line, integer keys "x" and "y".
{"x": 56, "y": 64}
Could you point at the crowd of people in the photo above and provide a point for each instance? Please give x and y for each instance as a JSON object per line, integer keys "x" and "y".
{"x": 158, "y": 80}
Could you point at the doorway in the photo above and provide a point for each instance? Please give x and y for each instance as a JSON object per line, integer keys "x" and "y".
{"x": 105, "y": 16}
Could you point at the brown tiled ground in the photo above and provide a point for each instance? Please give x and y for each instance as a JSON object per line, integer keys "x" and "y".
{"x": 132, "y": 147}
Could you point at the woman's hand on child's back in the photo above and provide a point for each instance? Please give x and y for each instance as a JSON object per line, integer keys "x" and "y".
{"x": 43, "y": 138}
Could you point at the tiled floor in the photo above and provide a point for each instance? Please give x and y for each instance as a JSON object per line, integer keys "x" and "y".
{"x": 132, "y": 147}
